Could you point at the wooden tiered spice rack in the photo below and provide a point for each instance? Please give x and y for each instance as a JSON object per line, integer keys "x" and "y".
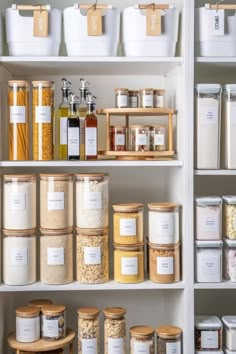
{"x": 135, "y": 112}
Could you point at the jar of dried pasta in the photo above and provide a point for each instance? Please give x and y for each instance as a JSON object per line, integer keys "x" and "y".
{"x": 128, "y": 223}
{"x": 18, "y": 102}
{"x": 88, "y": 330}
{"x": 164, "y": 263}
{"x": 169, "y": 340}
{"x": 114, "y": 330}
{"x": 53, "y": 322}
{"x": 157, "y": 138}
{"x": 129, "y": 263}
{"x": 146, "y": 98}
{"x": 92, "y": 256}
{"x": 139, "y": 138}
{"x": 43, "y": 115}
{"x": 141, "y": 340}
{"x": 229, "y": 216}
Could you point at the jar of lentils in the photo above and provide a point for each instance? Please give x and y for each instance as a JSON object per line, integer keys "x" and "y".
{"x": 168, "y": 340}
{"x": 141, "y": 340}
{"x": 88, "y": 330}
{"x": 114, "y": 330}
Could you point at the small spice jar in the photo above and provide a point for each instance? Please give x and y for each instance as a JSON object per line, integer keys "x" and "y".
{"x": 114, "y": 330}
{"x": 164, "y": 263}
{"x": 158, "y": 98}
{"x": 139, "y": 137}
{"x": 92, "y": 256}
{"x": 53, "y": 322}
{"x": 27, "y": 324}
{"x": 146, "y": 98}
{"x": 56, "y": 201}
{"x": 129, "y": 263}
{"x": 230, "y": 260}
{"x": 122, "y": 97}
{"x": 230, "y": 332}
{"x": 163, "y": 223}
{"x": 88, "y": 330}
{"x": 56, "y": 256}
{"x": 208, "y": 333}
{"x": 118, "y": 138}
{"x": 169, "y": 340}
{"x": 133, "y": 98}
{"x": 229, "y": 216}
{"x": 141, "y": 340}
{"x": 157, "y": 138}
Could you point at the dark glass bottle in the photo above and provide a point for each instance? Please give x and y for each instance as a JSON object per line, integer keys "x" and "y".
{"x": 73, "y": 131}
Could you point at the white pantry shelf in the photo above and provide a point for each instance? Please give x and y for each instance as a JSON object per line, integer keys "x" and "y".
{"x": 215, "y": 172}
{"x": 221, "y": 286}
{"x": 216, "y": 60}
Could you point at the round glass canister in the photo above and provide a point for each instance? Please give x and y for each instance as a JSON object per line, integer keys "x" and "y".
{"x": 56, "y": 256}
{"x": 19, "y": 257}
{"x": 27, "y": 324}
{"x": 230, "y": 260}
{"x": 128, "y": 223}
{"x": 43, "y": 114}
{"x": 229, "y": 216}
{"x": 157, "y": 138}
{"x": 122, "y": 98}
{"x": 114, "y": 330}
{"x": 169, "y": 340}
{"x": 118, "y": 138}
{"x": 18, "y": 102}
{"x": 146, "y": 98}
{"x": 129, "y": 263}
{"x": 139, "y": 138}
{"x": 92, "y": 193}
{"x": 163, "y": 223}
{"x": 56, "y": 201}
{"x": 133, "y": 98}
{"x": 88, "y": 330}
{"x": 141, "y": 340}
{"x": 92, "y": 256}
{"x": 19, "y": 202}
{"x": 53, "y": 322}
{"x": 158, "y": 98}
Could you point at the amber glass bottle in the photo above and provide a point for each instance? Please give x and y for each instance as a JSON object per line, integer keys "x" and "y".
{"x": 91, "y": 130}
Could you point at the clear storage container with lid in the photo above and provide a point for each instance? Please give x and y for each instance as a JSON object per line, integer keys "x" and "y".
{"x": 133, "y": 98}
{"x": 139, "y": 138}
{"x": 141, "y": 340}
{"x": 157, "y": 138}
{"x": 169, "y": 340}
{"x": 208, "y": 333}
{"x": 122, "y": 97}
{"x": 230, "y": 331}
{"x": 230, "y": 260}
{"x": 53, "y": 322}
{"x": 208, "y": 123}
{"x": 114, "y": 330}
{"x": 27, "y": 324}
{"x": 229, "y": 126}
{"x": 146, "y": 98}
{"x": 229, "y": 216}
{"x": 118, "y": 138}
{"x": 88, "y": 330}
{"x": 158, "y": 98}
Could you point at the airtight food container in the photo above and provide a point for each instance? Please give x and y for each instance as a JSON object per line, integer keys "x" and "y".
{"x": 230, "y": 332}
{"x": 208, "y": 333}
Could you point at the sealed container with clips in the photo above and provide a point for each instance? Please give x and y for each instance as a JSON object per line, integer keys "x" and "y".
{"x": 230, "y": 332}
{"x": 208, "y": 333}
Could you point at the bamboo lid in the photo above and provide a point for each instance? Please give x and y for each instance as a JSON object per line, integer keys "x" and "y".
{"x": 158, "y": 91}
{"x": 92, "y": 175}
{"x": 53, "y": 309}
{"x": 43, "y": 83}
{"x": 88, "y": 313}
{"x": 92, "y": 232}
{"x": 146, "y": 89}
{"x": 121, "y": 89}
{"x": 27, "y": 311}
{"x": 134, "y": 247}
{"x": 22, "y": 177}
{"x": 169, "y": 246}
{"x": 163, "y": 206}
{"x": 60, "y": 232}
{"x": 141, "y": 331}
{"x": 56, "y": 176}
{"x": 168, "y": 332}
{"x": 19, "y": 233}
{"x": 127, "y": 207}
{"x": 114, "y": 312}
{"x": 18, "y": 83}
{"x": 40, "y": 302}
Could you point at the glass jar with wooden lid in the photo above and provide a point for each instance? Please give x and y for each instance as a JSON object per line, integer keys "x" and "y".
{"x": 157, "y": 138}
{"x": 146, "y": 98}
{"x": 27, "y": 324}
{"x": 139, "y": 138}
{"x": 128, "y": 223}
{"x": 122, "y": 97}
{"x": 141, "y": 340}
{"x": 133, "y": 98}
{"x": 169, "y": 340}
{"x": 88, "y": 330}
{"x": 40, "y": 303}
{"x": 114, "y": 330}
{"x": 158, "y": 98}
{"x": 53, "y": 322}
{"x": 118, "y": 138}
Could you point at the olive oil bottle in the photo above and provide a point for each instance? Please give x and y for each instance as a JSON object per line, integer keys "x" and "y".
{"x": 73, "y": 130}
{"x": 82, "y": 114}
{"x": 91, "y": 129}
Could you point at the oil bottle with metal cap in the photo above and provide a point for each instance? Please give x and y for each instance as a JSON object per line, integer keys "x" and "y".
{"x": 82, "y": 114}
{"x": 91, "y": 129}
{"x": 73, "y": 129}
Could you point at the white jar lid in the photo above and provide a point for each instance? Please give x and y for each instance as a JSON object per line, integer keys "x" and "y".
{"x": 205, "y": 322}
{"x": 230, "y": 243}
{"x": 230, "y": 87}
{"x": 227, "y": 351}
{"x": 229, "y": 321}
{"x": 213, "y": 200}
{"x": 229, "y": 199}
{"x": 208, "y": 87}
{"x": 209, "y": 244}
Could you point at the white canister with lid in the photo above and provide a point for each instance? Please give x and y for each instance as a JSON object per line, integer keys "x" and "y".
{"x": 229, "y": 126}
{"x": 230, "y": 331}
{"x": 230, "y": 260}
{"x": 208, "y": 333}
{"x": 27, "y": 324}
{"x": 229, "y": 216}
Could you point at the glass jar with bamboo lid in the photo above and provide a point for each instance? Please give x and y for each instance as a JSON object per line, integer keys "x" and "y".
{"x": 114, "y": 330}
{"x": 53, "y": 322}
{"x": 27, "y": 324}
{"x": 141, "y": 340}
{"x": 18, "y": 102}
{"x": 88, "y": 330}
{"x": 168, "y": 339}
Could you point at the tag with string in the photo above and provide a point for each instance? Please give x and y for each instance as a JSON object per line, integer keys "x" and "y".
{"x": 217, "y": 22}
{"x": 153, "y": 22}
{"x": 94, "y": 21}
{"x": 40, "y": 23}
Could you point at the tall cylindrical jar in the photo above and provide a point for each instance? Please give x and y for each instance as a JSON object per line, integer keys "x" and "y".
{"x": 53, "y": 322}
{"x": 141, "y": 340}
{"x": 169, "y": 340}
{"x": 88, "y": 330}
{"x": 229, "y": 126}
{"x": 43, "y": 114}
{"x": 19, "y": 202}
{"x": 56, "y": 201}
{"x": 229, "y": 216}
{"x": 114, "y": 330}
{"x": 18, "y": 102}
{"x": 92, "y": 193}
{"x": 27, "y": 324}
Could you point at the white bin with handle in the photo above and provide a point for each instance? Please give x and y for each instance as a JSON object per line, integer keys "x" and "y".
{"x": 91, "y": 30}
{"x": 150, "y": 30}
{"x": 37, "y": 33}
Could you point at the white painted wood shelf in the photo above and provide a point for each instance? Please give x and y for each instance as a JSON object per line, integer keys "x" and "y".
{"x": 221, "y": 286}
{"x": 215, "y": 172}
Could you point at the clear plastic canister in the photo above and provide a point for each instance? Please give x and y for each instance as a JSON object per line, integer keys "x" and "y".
{"x": 229, "y": 216}
{"x": 88, "y": 330}
{"x": 229, "y": 126}
{"x": 157, "y": 138}
{"x": 141, "y": 340}
{"x": 139, "y": 138}
{"x": 114, "y": 330}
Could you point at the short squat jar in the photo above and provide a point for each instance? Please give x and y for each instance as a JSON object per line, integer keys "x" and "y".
{"x": 122, "y": 98}
{"x": 169, "y": 340}
{"x": 53, "y": 322}
{"x": 114, "y": 330}
{"x": 146, "y": 98}
{"x": 229, "y": 216}
{"x": 141, "y": 340}
{"x": 27, "y": 324}
{"x": 88, "y": 330}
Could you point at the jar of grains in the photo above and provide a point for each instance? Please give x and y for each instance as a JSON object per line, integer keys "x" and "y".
{"x": 92, "y": 256}
{"x": 141, "y": 340}
{"x": 27, "y": 324}
{"x": 118, "y": 138}
{"x": 146, "y": 98}
{"x": 92, "y": 200}
{"x": 122, "y": 98}
{"x": 129, "y": 263}
{"x": 56, "y": 256}
{"x": 56, "y": 201}
{"x": 128, "y": 223}
{"x": 88, "y": 330}
{"x": 18, "y": 102}
{"x": 19, "y": 202}
{"x": 163, "y": 222}
{"x": 157, "y": 138}
{"x": 19, "y": 257}
{"x": 43, "y": 115}
{"x": 208, "y": 333}
{"x": 230, "y": 260}
{"x": 169, "y": 340}
{"x": 164, "y": 263}
{"x": 139, "y": 137}
{"x": 229, "y": 216}
{"x": 53, "y": 322}
{"x": 133, "y": 98}
{"x": 114, "y": 330}
{"x": 158, "y": 98}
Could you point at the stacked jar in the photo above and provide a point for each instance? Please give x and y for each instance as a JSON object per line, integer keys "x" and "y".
{"x": 128, "y": 243}
{"x": 92, "y": 249}
{"x": 229, "y": 230}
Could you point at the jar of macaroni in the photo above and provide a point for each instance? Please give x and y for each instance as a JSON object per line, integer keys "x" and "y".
{"x": 158, "y": 98}
{"x": 114, "y": 330}
{"x": 118, "y": 138}
{"x": 53, "y": 322}
{"x": 157, "y": 138}
{"x": 169, "y": 340}
{"x": 139, "y": 138}
{"x": 27, "y": 324}
{"x": 88, "y": 330}
{"x": 146, "y": 98}
{"x": 229, "y": 216}
{"x": 141, "y": 340}
{"x": 122, "y": 98}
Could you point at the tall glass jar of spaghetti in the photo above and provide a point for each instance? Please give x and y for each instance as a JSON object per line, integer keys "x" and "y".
{"x": 43, "y": 113}
{"x": 18, "y": 102}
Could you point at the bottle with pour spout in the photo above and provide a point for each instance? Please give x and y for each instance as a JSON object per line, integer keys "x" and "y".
{"x": 82, "y": 114}
{"x": 91, "y": 129}
{"x": 73, "y": 129}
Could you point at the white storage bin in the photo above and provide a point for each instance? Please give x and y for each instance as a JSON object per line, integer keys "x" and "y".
{"x": 230, "y": 332}
{"x": 20, "y": 37}
{"x": 136, "y": 42}
{"x": 80, "y": 43}
{"x": 229, "y": 126}
{"x": 208, "y": 41}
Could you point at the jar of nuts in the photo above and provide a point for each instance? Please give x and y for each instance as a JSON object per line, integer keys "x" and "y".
{"x": 168, "y": 339}
{"x": 88, "y": 330}
{"x": 114, "y": 330}
{"x": 141, "y": 340}
{"x": 229, "y": 216}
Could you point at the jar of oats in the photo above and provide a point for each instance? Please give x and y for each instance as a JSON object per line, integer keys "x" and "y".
{"x": 88, "y": 330}
{"x": 229, "y": 216}
{"x": 114, "y": 330}
{"x": 141, "y": 340}
{"x": 92, "y": 256}
{"x": 168, "y": 340}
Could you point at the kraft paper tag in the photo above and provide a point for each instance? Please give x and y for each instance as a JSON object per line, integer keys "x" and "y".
{"x": 94, "y": 22}
{"x": 40, "y": 23}
{"x": 217, "y": 22}
{"x": 153, "y": 22}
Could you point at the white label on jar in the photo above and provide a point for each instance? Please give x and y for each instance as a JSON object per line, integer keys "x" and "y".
{"x": 56, "y": 201}
{"x": 127, "y": 227}
{"x": 129, "y": 265}
{"x": 208, "y": 115}
{"x": 26, "y": 329}
{"x": 92, "y": 255}
{"x": 165, "y": 265}
{"x": 173, "y": 348}
{"x": 141, "y": 139}
{"x": 210, "y": 265}
{"x": 209, "y": 340}
{"x": 158, "y": 101}
{"x": 89, "y": 346}
{"x": 50, "y": 328}
{"x": 92, "y": 200}
{"x": 55, "y": 256}
{"x": 17, "y": 114}
{"x": 133, "y": 102}
{"x": 217, "y": 22}
{"x": 91, "y": 141}
{"x": 120, "y": 139}
{"x": 141, "y": 348}
{"x": 17, "y": 201}
{"x": 73, "y": 141}
{"x": 147, "y": 100}
{"x": 115, "y": 345}
{"x": 159, "y": 139}
{"x": 63, "y": 131}
{"x": 19, "y": 256}
{"x": 43, "y": 114}
{"x": 165, "y": 225}
{"x": 122, "y": 101}
{"x": 210, "y": 223}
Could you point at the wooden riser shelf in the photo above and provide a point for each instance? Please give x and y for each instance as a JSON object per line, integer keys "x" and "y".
{"x": 139, "y": 155}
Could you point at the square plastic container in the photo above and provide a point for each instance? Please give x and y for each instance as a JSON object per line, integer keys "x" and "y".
{"x": 208, "y": 333}
{"x": 230, "y": 260}
{"x": 230, "y": 332}
{"x": 229, "y": 216}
